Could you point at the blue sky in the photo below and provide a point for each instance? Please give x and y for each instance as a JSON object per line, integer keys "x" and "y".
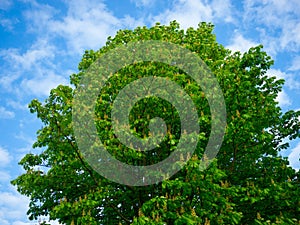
{"x": 41, "y": 43}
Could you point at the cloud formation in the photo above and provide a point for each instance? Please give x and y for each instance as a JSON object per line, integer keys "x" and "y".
{"x": 5, "y": 4}
{"x": 6, "y": 114}
{"x": 279, "y": 19}
{"x": 190, "y": 12}
{"x": 5, "y": 158}
{"x": 294, "y": 157}
{"x": 240, "y": 43}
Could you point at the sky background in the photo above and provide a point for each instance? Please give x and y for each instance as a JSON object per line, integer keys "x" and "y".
{"x": 41, "y": 44}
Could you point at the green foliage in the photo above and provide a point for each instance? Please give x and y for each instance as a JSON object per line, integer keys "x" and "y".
{"x": 248, "y": 183}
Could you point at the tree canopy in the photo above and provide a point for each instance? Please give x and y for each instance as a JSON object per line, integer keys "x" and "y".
{"x": 248, "y": 182}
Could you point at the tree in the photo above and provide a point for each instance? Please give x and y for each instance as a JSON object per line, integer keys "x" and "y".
{"x": 247, "y": 183}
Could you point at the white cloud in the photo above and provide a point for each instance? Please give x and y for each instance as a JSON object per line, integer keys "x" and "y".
{"x": 280, "y": 19}
{"x": 295, "y": 65}
{"x": 290, "y": 38}
{"x": 223, "y": 10}
{"x": 21, "y": 223}
{"x": 34, "y": 71}
{"x": 3, "y": 222}
{"x": 51, "y": 222}
{"x": 38, "y": 57}
{"x": 291, "y": 81}
{"x": 41, "y": 85}
{"x": 283, "y": 99}
{"x": 40, "y": 51}
{"x": 5, "y": 158}
{"x": 38, "y": 16}
{"x": 87, "y": 23}
{"x": 240, "y": 43}
{"x": 25, "y": 138}
{"x": 55, "y": 223}
{"x": 294, "y": 157}
{"x": 272, "y": 13}
{"x": 4, "y": 176}
{"x": 17, "y": 105}
{"x": 7, "y": 77}
{"x": 7, "y": 23}
{"x": 13, "y": 206}
{"x": 189, "y": 13}
{"x": 267, "y": 10}
{"x": 143, "y": 3}
{"x": 5, "y": 4}
{"x": 6, "y": 114}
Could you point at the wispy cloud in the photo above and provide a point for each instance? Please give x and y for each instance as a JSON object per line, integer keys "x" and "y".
{"x": 223, "y": 11}
{"x": 30, "y": 62}
{"x": 39, "y": 51}
{"x": 17, "y": 105}
{"x": 291, "y": 84}
{"x": 143, "y": 3}
{"x": 12, "y": 207}
{"x": 294, "y": 157}
{"x": 4, "y": 177}
{"x": 86, "y": 24}
{"x": 5, "y": 158}
{"x": 190, "y": 12}
{"x": 5, "y": 4}
{"x": 21, "y": 223}
{"x": 280, "y": 19}
{"x": 283, "y": 99}
{"x": 12, "y": 204}
{"x": 38, "y": 17}
{"x": 295, "y": 65}
{"x": 6, "y": 114}
{"x": 35, "y": 71}
{"x": 240, "y": 43}
{"x": 187, "y": 12}
{"x": 7, "y": 23}
{"x": 41, "y": 85}
{"x": 291, "y": 80}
